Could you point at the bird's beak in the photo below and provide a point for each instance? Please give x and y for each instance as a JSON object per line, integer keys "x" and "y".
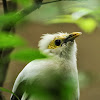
{"x": 72, "y": 36}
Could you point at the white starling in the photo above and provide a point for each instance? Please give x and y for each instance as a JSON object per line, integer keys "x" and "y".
{"x": 53, "y": 78}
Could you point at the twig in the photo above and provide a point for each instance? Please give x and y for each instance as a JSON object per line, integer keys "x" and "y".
{"x": 5, "y": 6}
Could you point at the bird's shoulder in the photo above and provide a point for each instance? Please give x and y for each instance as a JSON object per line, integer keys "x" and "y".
{"x": 35, "y": 69}
{"x": 39, "y": 65}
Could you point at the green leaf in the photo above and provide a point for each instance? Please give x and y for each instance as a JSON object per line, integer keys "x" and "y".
{"x": 6, "y": 90}
{"x": 76, "y": 14}
{"x": 83, "y": 9}
{"x": 9, "y": 40}
{"x": 80, "y": 12}
{"x": 87, "y": 24}
{"x": 27, "y": 55}
{"x": 62, "y": 19}
{"x": 5, "y": 18}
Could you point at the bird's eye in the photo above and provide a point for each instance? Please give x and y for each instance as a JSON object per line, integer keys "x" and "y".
{"x": 57, "y": 42}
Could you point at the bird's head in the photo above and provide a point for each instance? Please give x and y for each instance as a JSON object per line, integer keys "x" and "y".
{"x": 59, "y": 43}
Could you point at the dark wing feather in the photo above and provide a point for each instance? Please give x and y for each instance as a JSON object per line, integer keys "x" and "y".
{"x": 19, "y": 91}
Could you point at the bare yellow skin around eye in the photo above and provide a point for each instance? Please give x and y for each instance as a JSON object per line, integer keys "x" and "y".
{"x": 52, "y": 43}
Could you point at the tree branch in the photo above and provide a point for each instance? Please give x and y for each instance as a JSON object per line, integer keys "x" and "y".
{"x": 18, "y": 16}
{"x": 52, "y": 1}
{"x": 24, "y": 12}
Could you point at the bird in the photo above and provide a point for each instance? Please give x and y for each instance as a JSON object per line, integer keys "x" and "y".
{"x": 52, "y": 78}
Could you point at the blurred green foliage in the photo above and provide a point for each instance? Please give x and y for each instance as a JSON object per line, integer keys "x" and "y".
{"x": 27, "y": 55}
{"x": 7, "y": 18}
{"x": 10, "y": 40}
{"x": 87, "y": 24}
{"x": 83, "y": 13}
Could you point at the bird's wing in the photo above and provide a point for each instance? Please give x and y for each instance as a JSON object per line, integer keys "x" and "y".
{"x": 27, "y": 76}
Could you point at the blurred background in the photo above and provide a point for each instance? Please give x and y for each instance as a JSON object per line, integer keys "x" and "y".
{"x": 62, "y": 16}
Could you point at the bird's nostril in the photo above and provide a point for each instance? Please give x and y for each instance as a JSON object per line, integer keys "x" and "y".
{"x": 74, "y": 34}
